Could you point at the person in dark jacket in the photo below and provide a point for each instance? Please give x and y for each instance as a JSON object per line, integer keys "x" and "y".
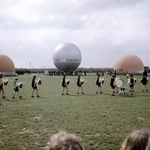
{"x": 131, "y": 83}
{"x": 79, "y": 84}
{"x": 98, "y": 83}
{"x": 64, "y": 85}
{"x": 112, "y": 84}
{"x": 34, "y": 86}
{"x": 1, "y": 85}
{"x": 145, "y": 73}
{"x": 144, "y": 82}
{"x": 16, "y": 88}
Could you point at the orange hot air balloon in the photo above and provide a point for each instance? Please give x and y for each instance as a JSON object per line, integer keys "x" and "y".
{"x": 129, "y": 64}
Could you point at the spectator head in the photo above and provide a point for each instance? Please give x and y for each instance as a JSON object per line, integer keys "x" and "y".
{"x": 64, "y": 141}
{"x": 137, "y": 140}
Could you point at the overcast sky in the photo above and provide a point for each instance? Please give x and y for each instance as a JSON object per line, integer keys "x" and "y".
{"x": 103, "y": 30}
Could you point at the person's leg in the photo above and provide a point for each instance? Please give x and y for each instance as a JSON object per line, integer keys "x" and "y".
{"x": 37, "y": 92}
{"x": 82, "y": 89}
{"x": 146, "y": 87}
{"x": 14, "y": 94}
{"x": 100, "y": 89}
{"x": 117, "y": 90}
{"x": 67, "y": 91}
{"x": 63, "y": 90}
{"x": 112, "y": 91}
{"x": 3, "y": 93}
{"x": 33, "y": 92}
{"x": 143, "y": 87}
{"x": 131, "y": 90}
{"x": 19, "y": 94}
{"x": 97, "y": 89}
{"x": 78, "y": 90}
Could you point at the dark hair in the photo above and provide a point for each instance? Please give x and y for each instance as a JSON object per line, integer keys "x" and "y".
{"x": 1, "y": 75}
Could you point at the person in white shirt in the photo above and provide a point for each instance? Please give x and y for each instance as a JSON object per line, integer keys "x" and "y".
{"x": 1, "y": 85}
{"x": 16, "y": 88}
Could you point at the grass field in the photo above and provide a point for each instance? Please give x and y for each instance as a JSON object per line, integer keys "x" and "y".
{"x": 102, "y": 121}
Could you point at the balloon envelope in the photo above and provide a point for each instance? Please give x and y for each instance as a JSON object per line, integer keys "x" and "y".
{"x": 67, "y": 57}
{"x": 131, "y": 64}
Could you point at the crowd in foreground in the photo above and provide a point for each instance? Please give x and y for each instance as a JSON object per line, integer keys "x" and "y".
{"x": 137, "y": 140}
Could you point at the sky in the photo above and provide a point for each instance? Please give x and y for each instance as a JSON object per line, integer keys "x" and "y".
{"x": 103, "y": 30}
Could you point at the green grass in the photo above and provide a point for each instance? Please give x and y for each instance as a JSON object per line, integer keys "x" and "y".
{"x": 102, "y": 121}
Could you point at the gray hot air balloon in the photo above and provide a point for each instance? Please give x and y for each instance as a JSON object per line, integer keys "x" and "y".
{"x": 67, "y": 57}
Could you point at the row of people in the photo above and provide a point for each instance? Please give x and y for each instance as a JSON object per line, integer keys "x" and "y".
{"x": 137, "y": 140}
{"x": 16, "y": 86}
{"x": 100, "y": 81}
{"x": 80, "y": 81}
{"x": 131, "y": 83}
{"x": 65, "y": 82}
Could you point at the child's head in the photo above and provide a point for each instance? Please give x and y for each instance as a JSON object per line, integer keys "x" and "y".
{"x": 64, "y": 141}
{"x": 137, "y": 140}
{"x": 1, "y": 76}
{"x": 16, "y": 80}
{"x": 131, "y": 76}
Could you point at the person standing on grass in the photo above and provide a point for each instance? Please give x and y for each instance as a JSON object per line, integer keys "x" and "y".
{"x": 131, "y": 84}
{"x": 1, "y": 85}
{"x": 16, "y": 88}
{"x": 34, "y": 86}
{"x": 79, "y": 84}
{"x": 98, "y": 83}
{"x": 116, "y": 87}
{"x": 144, "y": 82}
{"x": 112, "y": 84}
{"x": 64, "y": 85}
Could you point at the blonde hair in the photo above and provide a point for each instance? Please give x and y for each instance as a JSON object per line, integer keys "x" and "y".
{"x": 137, "y": 140}
{"x": 64, "y": 141}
